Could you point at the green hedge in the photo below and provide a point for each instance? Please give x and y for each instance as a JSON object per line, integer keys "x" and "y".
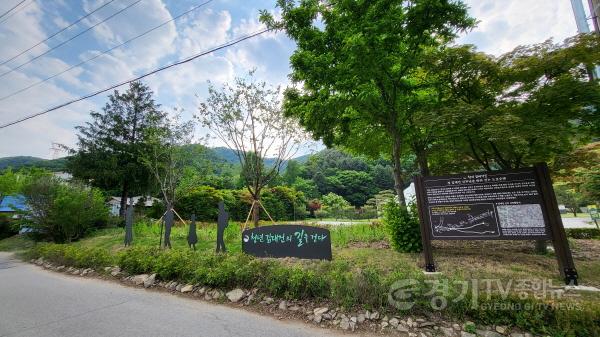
{"x": 336, "y": 281}
{"x": 583, "y": 233}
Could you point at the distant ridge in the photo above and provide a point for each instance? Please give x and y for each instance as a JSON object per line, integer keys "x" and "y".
{"x": 220, "y": 153}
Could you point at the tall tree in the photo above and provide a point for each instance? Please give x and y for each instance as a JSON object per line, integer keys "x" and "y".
{"x": 169, "y": 152}
{"x": 111, "y": 147}
{"x": 532, "y": 104}
{"x": 248, "y": 119}
{"x": 360, "y": 63}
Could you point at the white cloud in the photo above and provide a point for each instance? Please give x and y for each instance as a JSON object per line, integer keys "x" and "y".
{"x": 503, "y": 25}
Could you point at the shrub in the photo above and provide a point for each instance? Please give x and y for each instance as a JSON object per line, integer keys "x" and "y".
{"x": 201, "y": 201}
{"x": 583, "y": 233}
{"x": 63, "y": 212}
{"x": 402, "y": 228}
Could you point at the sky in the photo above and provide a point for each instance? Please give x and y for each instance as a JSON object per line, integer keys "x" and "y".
{"x": 502, "y": 25}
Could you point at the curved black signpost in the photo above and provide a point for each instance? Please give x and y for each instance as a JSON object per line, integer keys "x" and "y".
{"x": 497, "y": 205}
{"x": 305, "y": 242}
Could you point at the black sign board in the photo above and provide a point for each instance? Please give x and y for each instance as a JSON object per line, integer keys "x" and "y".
{"x": 305, "y": 242}
{"x": 485, "y": 206}
{"x": 497, "y": 205}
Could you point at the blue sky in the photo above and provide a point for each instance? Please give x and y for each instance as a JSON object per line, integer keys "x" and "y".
{"x": 503, "y": 24}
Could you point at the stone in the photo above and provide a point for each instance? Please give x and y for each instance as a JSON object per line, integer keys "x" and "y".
{"x": 384, "y": 324}
{"x": 59, "y": 268}
{"x": 216, "y": 294}
{"x": 517, "y": 334}
{"x": 353, "y": 319}
{"x": 426, "y": 324}
{"x": 283, "y": 305}
{"x": 294, "y": 308}
{"x": 488, "y": 333}
{"x": 268, "y": 300}
{"x": 385, "y": 318}
{"x": 467, "y": 334}
{"x": 448, "y": 332}
{"x": 188, "y": 288}
{"x": 75, "y": 272}
{"x": 318, "y": 318}
{"x": 115, "y": 273}
{"x": 149, "y": 281}
{"x": 368, "y": 314}
{"x": 235, "y": 295}
{"x": 178, "y": 287}
{"x": 201, "y": 291}
{"x": 374, "y": 315}
{"x": 249, "y": 299}
{"x": 320, "y": 311}
{"x": 327, "y": 316}
{"x": 402, "y": 328}
{"x": 139, "y": 279}
{"x": 352, "y": 325}
{"x": 455, "y": 326}
{"x": 360, "y": 318}
{"x": 345, "y": 324}
{"x": 107, "y": 269}
{"x": 410, "y": 322}
{"x": 394, "y": 322}
{"x": 501, "y": 329}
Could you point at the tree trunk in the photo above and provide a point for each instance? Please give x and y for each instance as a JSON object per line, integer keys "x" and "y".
{"x": 423, "y": 162}
{"x": 124, "y": 194}
{"x": 540, "y": 247}
{"x": 256, "y": 212}
{"x": 398, "y": 180}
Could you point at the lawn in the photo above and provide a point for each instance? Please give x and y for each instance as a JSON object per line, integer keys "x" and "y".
{"x": 363, "y": 264}
{"x": 365, "y": 244}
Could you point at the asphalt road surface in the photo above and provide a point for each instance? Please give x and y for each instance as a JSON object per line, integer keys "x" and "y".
{"x": 37, "y": 302}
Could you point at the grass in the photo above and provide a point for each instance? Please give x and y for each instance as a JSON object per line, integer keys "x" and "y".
{"x": 362, "y": 263}
{"x": 579, "y": 215}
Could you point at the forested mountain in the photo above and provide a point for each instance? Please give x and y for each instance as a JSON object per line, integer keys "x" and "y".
{"x": 221, "y": 154}
{"x": 28, "y": 161}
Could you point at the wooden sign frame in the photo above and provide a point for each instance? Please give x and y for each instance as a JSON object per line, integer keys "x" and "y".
{"x": 553, "y": 223}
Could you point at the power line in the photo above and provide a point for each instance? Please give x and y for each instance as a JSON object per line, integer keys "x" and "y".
{"x": 10, "y": 10}
{"x": 56, "y": 33}
{"x": 104, "y": 52}
{"x": 72, "y": 38}
{"x": 186, "y": 60}
{"x": 17, "y": 11}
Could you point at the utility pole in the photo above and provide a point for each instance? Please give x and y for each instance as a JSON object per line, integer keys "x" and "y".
{"x": 581, "y": 20}
{"x": 595, "y": 14}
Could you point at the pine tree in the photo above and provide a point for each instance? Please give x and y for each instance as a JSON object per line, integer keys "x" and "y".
{"x": 111, "y": 147}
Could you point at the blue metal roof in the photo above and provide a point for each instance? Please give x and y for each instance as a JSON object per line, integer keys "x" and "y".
{"x": 11, "y": 202}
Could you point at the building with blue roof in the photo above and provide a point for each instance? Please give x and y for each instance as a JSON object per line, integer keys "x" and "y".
{"x": 12, "y": 204}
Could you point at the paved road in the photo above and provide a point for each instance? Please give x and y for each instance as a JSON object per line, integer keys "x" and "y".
{"x": 578, "y": 223}
{"x": 36, "y": 302}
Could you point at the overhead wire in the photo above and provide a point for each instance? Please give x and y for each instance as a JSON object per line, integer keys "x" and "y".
{"x": 72, "y": 38}
{"x": 11, "y": 9}
{"x": 104, "y": 52}
{"x": 57, "y": 32}
{"x": 186, "y": 60}
{"x": 17, "y": 11}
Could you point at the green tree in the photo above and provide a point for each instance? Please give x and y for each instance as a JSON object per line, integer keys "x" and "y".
{"x": 292, "y": 171}
{"x": 532, "y": 104}
{"x": 247, "y": 118}
{"x": 334, "y": 204}
{"x": 111, "y": 148}
{"x": 63, "y": 212}
{"x": 360, "y": 66}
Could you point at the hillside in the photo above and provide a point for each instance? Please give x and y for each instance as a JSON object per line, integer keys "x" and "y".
{"x": 28, "y": 161}
{"x": 219, "y": 153}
